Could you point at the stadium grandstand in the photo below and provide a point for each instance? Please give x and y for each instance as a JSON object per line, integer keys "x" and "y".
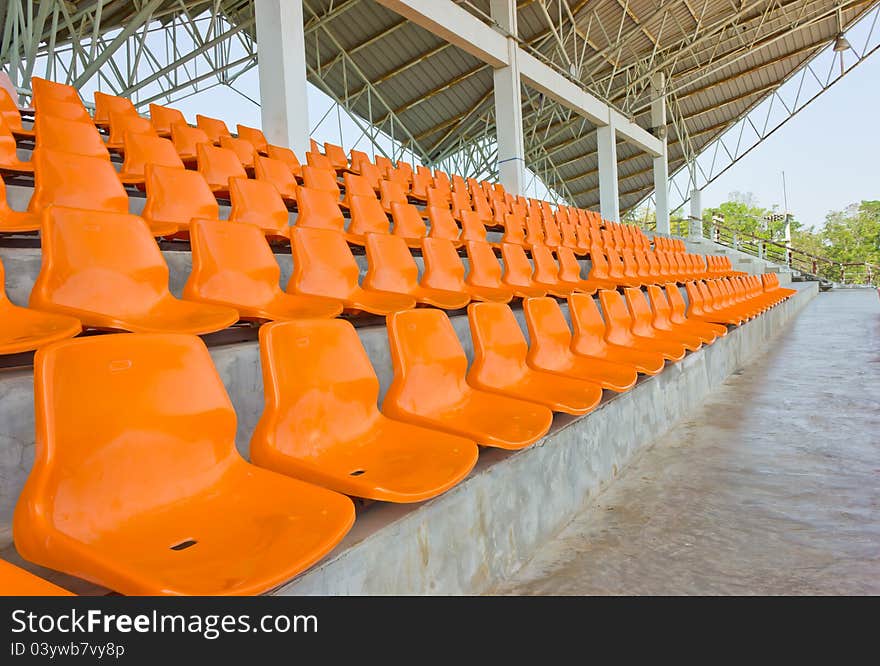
{"x": 246, "y": 359}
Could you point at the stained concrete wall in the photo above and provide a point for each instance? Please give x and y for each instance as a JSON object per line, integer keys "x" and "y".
{"x": 479, "y": 532}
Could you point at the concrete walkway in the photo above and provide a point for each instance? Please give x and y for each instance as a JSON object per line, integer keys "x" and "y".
{"x": 772, "y": 487}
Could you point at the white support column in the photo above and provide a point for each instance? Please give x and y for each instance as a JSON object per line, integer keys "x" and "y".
{"x": 696, "y": 225}
{"x": 661, "y": 164}
{"x": 508, "y": 105}
{"x": 609, "y": 200}
{"x": 282, "y": 66}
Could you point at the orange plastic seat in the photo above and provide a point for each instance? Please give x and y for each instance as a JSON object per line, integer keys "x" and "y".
{"x": 233, "y": 266}
{"x": 186, "y": 141}
{"x": 643, "y": 323}
{"x": 500, "y": 365}
{"x": 546, "y": 273}
{"x": 321, "y": 424}
{"x": 78, "y": 181}
{"x": 143, "y": 149}
{"x": 316, "y": 178}
{"x": 662, "y": 318}
{"x": 45, "y": 90}
{"x": 258, "y": 203}
{"x": 106, "y": 104}
{"x": 678, "y": 316}
{"x": 551, "y": 349}
{"x": 429, "y": 387}
{"x": 137, "y": 485}
{"x": 10, "y": 114}
{"x": 393, "y": 269}
{"x": 483, "y": 281}
{"x": 278, "y": 174}
{"x": 70, "y": 136}
{"x": 700, "y": 307}
{"x": 518, "y": 272}
{"x": 255, "y": 136}
{"x": 24, "y": 329}
{"x": 619, "y": 323}
{"x": 53, "y": 109}
{"x": 336, "y": 155}
{"x": 570, "y": 271}
{"x": 286, "y": 155}
{"x": 368, "y": 216}
{"x": 175, "y": 197}
{"x": 164, "y": 118}
{"x": 473, "y": 228}
{"x": 391, "y": 192}
{"x": 16, "y": 582}
{"x": 318, "y": 160}
{"x": 106, "y": 270}
{"x": 217, "y": 166}
{"x": 15, "y": 221}
{"x": 213, "y": 127}
{"x": 9, "y": 161}
{"x": 324, "y": 266}
{"x": 770, "y": 283}
{"x": 122, "y": 123}
{"x": 443, "y": 225}
{"x": 318, "y": 209}
{"x": 589, "y": 339}
{"x": 408, "y": 223}
{"x": 244, "y": 150}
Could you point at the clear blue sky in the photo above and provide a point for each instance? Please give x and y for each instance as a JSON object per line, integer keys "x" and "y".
{"x": 830, "y": 151}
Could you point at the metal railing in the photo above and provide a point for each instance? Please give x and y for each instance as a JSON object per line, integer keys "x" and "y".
{"x": 861, "y": 272}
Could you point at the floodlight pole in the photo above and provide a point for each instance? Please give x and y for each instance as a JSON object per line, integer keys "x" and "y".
{"x": 282, "y": 66}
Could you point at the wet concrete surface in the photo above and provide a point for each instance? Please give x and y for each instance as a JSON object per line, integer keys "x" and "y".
{"x": 771, "y": 487}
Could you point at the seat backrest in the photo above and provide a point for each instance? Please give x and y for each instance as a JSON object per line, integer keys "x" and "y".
{"x": 442, "y": 223}
{"x": 534, "y": 230}
{"x": 49, "y": 91}
{"x": 213, "y": 127}
{"x": 514, "y": 229}
{"x": 318, "y": 160}
{"x": 391, "y": 267}
{"x": 322, "y": 263}
{"x": 472, "y": 227}
{"x": 356, "y": 186}
{"x": 485, "y": 271}
{"x": 642, "y": 318}
{"x": 69, "y": 136}
{"x": 461, "y": 204}
{"x": 429, "y": 362}
{"x": 105, "y": 104}
{"x": 244, "y": 150}
{"x": 317, "y": 378}
{"x": 143, "y": 149}
{"x": 368, "y": 216}
{"x": 357, "y": 159}
{"x": 258, "y": 202}
{"x": 391, "y": 192}
{"x": 231, "y": 262}
{"x": 443, "y": 267}
{"x": 164, "y": 117}
{"x": 318, "y": 210}
{"x": 569, "y": 266}
{"x": 97, "y": 261}
{"x": 218, "y": 165}
{"x": 186, "y": 139}
{"x": 662, "y": 310}
{"x": 517, "y": 267}
{"x": 546, "y": 268}
{"x": 318, "y": 178}
{"x": 336, "y": 155}
{"x": 177, "y": 196}
{"x": 548, "y": 331}
{"x": 587, "y": 324}
{"x": 618, "y": 320}
{"x": 286, "y": 155}
{"x": 160, "y": 427}
{"x": 124, "y": 122}
{"x": 408, "y": 221}
{"x": 277, "y": 173}
{"x": 500, "y": 347}
{"x": 76, "y": 181}
{"x": 255, "y": 136}
{"x": 60, "y": 110}
{"x": 676, "y": 302}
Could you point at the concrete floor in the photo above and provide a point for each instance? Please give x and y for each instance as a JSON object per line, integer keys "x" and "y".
{"x": 772, "y": 487}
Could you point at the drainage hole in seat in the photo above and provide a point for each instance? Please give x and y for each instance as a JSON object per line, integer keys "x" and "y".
{"x": 357, "y": 472}
{"x": 183, "y": 545}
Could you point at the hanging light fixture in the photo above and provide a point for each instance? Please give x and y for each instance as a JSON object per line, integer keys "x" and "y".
{"x": 841, "y": 43}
